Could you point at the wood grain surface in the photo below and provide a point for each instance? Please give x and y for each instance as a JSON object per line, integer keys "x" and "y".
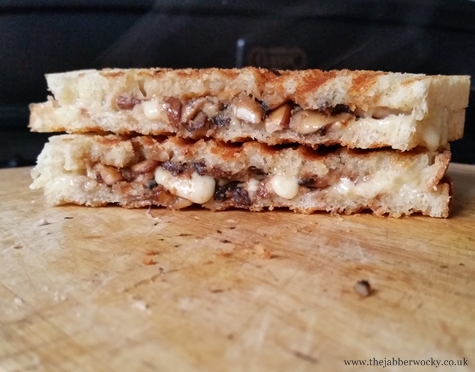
{"x": 111, "y": 289}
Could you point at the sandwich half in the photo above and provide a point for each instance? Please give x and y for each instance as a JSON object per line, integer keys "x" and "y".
{"x": 138, "y": 171}
{"x": 354, "y": 109}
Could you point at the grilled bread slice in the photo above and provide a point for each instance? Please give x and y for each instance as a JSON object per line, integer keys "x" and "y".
{"x": 140, "y": 171}
{"x": 356, "y": 109}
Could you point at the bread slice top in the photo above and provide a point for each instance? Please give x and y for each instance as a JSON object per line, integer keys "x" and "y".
{"x": 357, "y": 109}
{"x": 310, "y": 89}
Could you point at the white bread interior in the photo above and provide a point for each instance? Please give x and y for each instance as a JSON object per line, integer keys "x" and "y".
{"x": 430, "y": 110}
{"x": 383, "y": 181}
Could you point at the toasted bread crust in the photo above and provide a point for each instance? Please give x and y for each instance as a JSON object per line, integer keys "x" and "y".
{"x": 377, "y": 180}
{"x": 87, "y": 101}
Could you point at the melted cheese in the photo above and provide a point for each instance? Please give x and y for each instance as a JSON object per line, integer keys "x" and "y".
{"x": 198, "y": 189}
{"x": 285, "y": 187}
{"x": 378, "y": 183}
{"x": 252, "y": 186}
{"x": 431, "y": 137}
{"x": 307, "y": 121}
{"x": 153, "y": 110}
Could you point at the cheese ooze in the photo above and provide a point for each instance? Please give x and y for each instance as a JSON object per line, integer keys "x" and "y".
{"x": 152, "y": 109}
{"x": 285, "y": 187}
{"x": 252, "y": 186}
{"x": 197, "y": 189}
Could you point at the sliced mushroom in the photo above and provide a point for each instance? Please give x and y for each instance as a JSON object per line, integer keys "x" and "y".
{"x": 127, "y": 103}
{"x": 191, "y": 109}
{"x": 212, "y": 107}
{"x": 109, "y": 175}
{"x": 278, "y": 118}
{"x": 247, "y": 109}
{"x": 198, "y": 123}
{"x": 307, "y": 122}
{"x": 172, "y": 107}
{"x": 221, "y": 121}
{"x": 174, "y": 168}
{"x": 144, "y": 166}
{"x": 144, "y": 178}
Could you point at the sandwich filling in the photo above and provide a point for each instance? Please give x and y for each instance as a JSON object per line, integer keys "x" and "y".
{"x": 204, "y": 113}
{"x": 142, "y": 171}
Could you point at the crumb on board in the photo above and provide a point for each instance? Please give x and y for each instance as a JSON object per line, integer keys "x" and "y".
{"x": 57, "y": 297}
{"x": 18, "y": 301}
{"x": 149, "y": 215}
{"x": 148, "y": 261}
{"x": 42, "y": 222}
{"x": 151, "y": 252}
{"x": 224, "y": 254}
{"x": 217, "y": 290}
{"x": 230, "y": 221}
{"x": 363, "y": 288}
{"x": 17, "y": 246}
{"x": 226, "y": 241}
{"x": 262, "y": 251}
{"x": 140, "y": 305}
{"x": 68, "y": 218}
{"x": 219, "y": 231}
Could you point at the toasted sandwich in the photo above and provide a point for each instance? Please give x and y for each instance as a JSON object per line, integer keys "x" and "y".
{"x": 139, "y": 171}
{"x": 354, "y": 109}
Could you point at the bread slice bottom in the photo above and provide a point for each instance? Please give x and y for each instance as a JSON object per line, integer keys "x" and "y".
{"x": 141, "y": 171}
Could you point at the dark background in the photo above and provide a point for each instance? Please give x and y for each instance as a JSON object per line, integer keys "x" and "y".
{"x": 37, "y": 37}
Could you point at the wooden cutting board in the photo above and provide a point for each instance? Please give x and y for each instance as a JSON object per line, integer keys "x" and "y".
{"x": 231, "y": 290}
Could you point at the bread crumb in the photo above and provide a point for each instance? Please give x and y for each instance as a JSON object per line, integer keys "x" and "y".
{"x": 148, "y": 261}
{"x": 149, "y": 215}
{"x": 140, "y": 305}
{"x": 262, "y": 251}
{"x": 17, "y": 246}
{"x": 18, "y": 301}
{"x": 196, "y": 217}
{"x": 57, "y": 297}
{"x": 42, "y": 222}
{"x": 230, "y": 221}
{"x": 225, "y": 254}
{"x": 363, "y": 288}
{"x": 151, "y": 252}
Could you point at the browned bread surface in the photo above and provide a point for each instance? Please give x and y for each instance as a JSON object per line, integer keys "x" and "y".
{"x": 140, "y": 171}
{"x": 359, "y": 109}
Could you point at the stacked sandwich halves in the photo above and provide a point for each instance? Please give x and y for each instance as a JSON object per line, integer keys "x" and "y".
{"x": 337, "y": 141}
